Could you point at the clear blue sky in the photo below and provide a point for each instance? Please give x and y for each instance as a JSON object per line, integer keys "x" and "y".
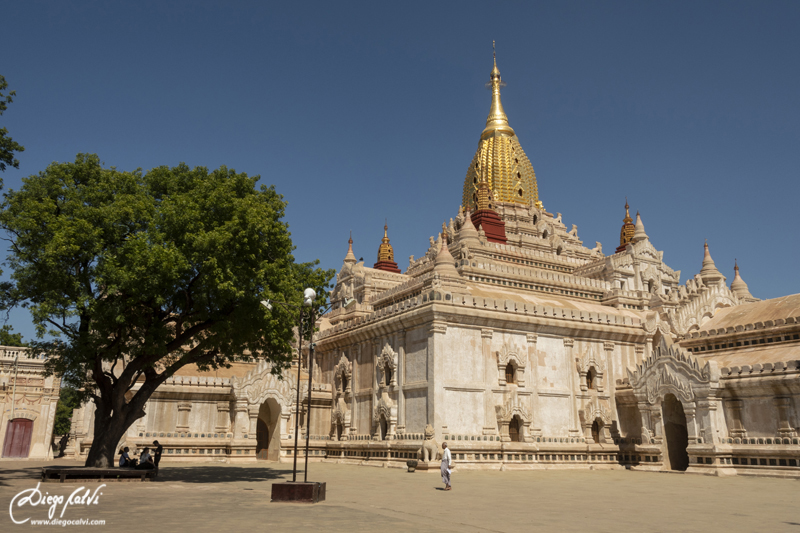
{"x": 360, "y": 112}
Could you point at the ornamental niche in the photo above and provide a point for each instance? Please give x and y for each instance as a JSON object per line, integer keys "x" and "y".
{"x": 387, "y": 368}
{"x": 591, "y": 369}
{"x": 342, "y": 374}
{"x": 512, "y": 355}
{"x": 514, "y": 420}
{"x": 340, "y": 415}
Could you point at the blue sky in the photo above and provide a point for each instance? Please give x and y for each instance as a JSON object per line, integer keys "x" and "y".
{"x": 359, "y": 112}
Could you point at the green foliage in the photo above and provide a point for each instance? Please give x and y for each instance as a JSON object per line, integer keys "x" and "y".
{"x": 7, "y": 144}
{"x": 136, "y": 275}
{"x": 68, "y": 400}
{"x": 10, "y": 339}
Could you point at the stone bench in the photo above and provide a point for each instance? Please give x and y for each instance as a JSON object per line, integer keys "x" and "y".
{"x": 80, "y": 474}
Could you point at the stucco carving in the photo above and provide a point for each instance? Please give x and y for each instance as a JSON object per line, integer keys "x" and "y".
{"x": 670, "y": 370}
{"x": 343, "y": 372}
{"x": 387, "y": 358}
{"x": 516, "y": 356}
{"x": 260, "y": 383}
{"x": 591, "y": 360}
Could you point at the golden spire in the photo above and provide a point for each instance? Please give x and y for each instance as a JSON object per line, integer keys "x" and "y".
{"x": 500, "y": 161}
{"x": 497, "y": 121}
{"x": 628, "y": 229}
{"x": 385, "y": 251}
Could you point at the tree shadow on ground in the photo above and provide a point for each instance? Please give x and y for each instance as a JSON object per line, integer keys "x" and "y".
{"x": 34, "y": 472}
{"x": 216, "y": 474}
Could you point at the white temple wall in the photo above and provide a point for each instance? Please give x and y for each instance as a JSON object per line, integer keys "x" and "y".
{"x": 553, "y": 415}
{"x": 758, "y": 417}
{"x": 364, "y": 414}
{"x": 416, "y": 409}
{"x": 416, "y": 357}
{"x": 555, "y": 367}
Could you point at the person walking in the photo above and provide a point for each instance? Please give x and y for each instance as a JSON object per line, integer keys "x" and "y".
{"x": 447, "y": 463}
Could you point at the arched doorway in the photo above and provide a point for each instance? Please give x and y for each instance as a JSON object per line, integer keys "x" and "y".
{"x": 513, "y": 429}
{"x": 339, "y": 430}
{"x": 18, "y": 438}
{"x": 676, "y": 435}
{"x": 268, "y": 447}
{"x": 262, "y": 440}
{"x": 597, "y": 429}
{"x": 384, "y": 427}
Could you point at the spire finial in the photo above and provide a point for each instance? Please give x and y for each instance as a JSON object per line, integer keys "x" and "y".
{"x": 497, "y": 121}
{"x": 350, "y": 258}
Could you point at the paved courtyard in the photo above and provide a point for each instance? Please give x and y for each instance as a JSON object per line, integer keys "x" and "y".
{"x": 206, "y": 497}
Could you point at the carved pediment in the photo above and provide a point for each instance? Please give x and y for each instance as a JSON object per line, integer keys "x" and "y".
{"x": 594, "y": 410}
{"x": 261, "y": 383}
{"x": 590, "y": 359}
{"x": 671, "y": 370}
{"x": 386, "y": 408}
{"x": 513, "y": 407}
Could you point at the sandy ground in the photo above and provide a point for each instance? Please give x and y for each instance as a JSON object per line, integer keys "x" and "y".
{"x": 203, "y": 497}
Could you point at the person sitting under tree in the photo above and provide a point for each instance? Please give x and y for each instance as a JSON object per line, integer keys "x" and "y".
{"x": 146, "y": 460}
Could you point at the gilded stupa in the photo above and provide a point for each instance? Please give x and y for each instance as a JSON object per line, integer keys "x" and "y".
{"x": 386, "y": 254}
{"x": 500, "y": 160}
{"x": 627, "y": 230}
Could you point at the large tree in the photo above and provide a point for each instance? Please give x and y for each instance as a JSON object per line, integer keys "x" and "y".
{"x": 7, "y": 144}
{"x": 134, "y": 275}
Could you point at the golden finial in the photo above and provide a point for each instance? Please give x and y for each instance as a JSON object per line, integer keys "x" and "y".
{"x": 628, "y": 228}
{"x": 385, "y": 251}
{"x": 497, "y": 121}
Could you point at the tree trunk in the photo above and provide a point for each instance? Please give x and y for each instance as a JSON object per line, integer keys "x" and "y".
{"x": 108, "y": 431}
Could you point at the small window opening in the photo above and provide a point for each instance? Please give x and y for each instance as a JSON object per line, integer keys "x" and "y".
{"x": 510, "y": 374}
{"x": 591, "y": 375}
{"x": 388, "y": 373}
{"x": 513, "y": 429}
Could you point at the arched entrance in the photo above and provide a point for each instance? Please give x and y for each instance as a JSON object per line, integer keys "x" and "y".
{"x": 262, "y": 440}
{"x": 18, "y": 438}
{"x": 384, "y": 427}
{"x": 676, "y": 435}
{"x": 513, "y": 429}
{"x": 597, "y": 430}
{"x": 339, "y": 431}
{"x": 268, "y": 448}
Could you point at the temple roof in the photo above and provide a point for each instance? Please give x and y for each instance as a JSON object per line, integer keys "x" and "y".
{"x": 751, "y": 313}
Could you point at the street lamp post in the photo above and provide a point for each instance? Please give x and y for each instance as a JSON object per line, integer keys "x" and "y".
{"x": 305, "y": 491}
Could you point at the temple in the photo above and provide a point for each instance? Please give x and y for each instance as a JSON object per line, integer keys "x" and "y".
{"x": 520, "y": 347}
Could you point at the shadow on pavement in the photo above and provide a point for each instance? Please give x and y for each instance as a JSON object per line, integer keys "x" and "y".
{"x": 216, "y": 474}
{"x": 34, "y": 472}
